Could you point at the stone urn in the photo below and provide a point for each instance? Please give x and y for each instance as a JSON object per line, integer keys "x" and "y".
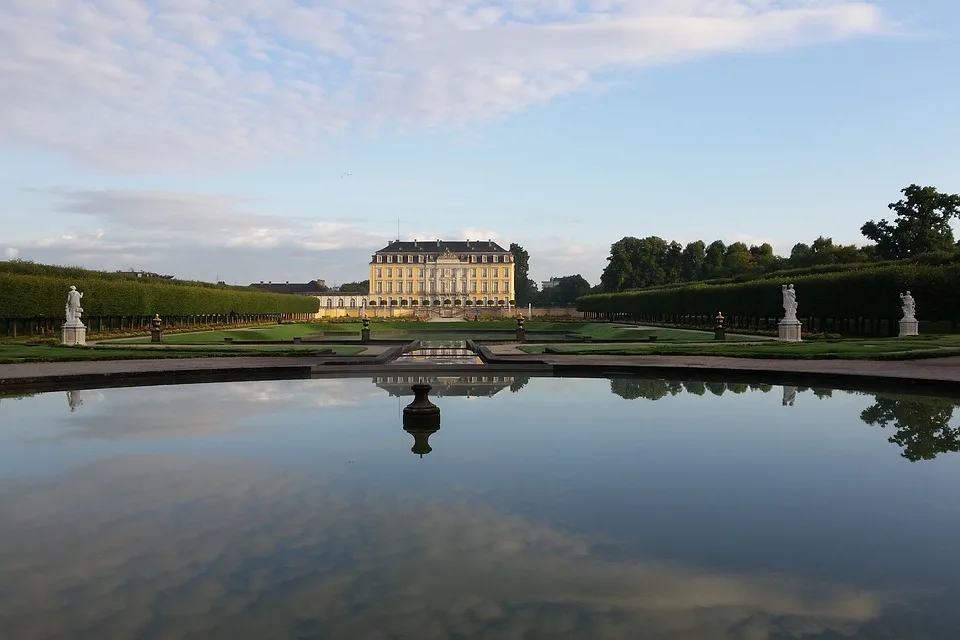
{"x": 421, "y": 419}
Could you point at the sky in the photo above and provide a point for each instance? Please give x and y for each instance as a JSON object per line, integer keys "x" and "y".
{"x": 249, "y": 140}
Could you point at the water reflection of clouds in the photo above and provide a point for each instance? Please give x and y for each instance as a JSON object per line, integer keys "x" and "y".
{"x": 194, "y": 410}
{"x": 202, "y": 545}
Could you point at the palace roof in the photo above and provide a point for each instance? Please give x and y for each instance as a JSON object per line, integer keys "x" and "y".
{"x": 439, "y": 246}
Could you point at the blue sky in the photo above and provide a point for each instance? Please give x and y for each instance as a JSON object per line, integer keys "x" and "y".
{"x": 209, "y": 139}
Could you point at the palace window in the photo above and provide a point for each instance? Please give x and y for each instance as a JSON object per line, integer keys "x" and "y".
{"x": 379, "y": 287}
{"x": 473, "y": 273}
{"x": 389, "y": 287}
{"x": 495, "y": 258}
{"x": 473, "y": 258}
{"x": 506, "y": 272}
{"x": 506, "y": 286}
{"x": 329, "y": 303}
{"x": 496, "y": 272}
{"x": 496, "y": 287}
{"x": 409, "y": 259}
{"x": 353, "y": 302}
{"x": 379, "y": 258}
{"x": 473, "y": 286}
{"x": 379, "y": 273}
{"x": 483, "y": 272}
{"x": 420, "y": 259}
{"x": 419, "y": 287}
{"x": 389, "y": 272}
{"x": 340, "y": 303}
{"x": 484, "y": 259}
{"x": 420, "y": 271}
{"x": 409, "y": 286}
{"x": 484, "y": 289}
{"x": 389, "y": 258}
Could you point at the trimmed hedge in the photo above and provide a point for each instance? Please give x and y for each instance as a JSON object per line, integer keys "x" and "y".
{"x": 33, "y": 296}
{"x": 872, "y": 293}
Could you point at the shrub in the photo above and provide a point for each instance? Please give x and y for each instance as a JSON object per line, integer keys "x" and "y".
{"x": 861, "y": 293}
{"x": 44, "y": 296}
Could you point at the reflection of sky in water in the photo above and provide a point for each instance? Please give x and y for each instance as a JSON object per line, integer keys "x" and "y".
{"x": 562, "y": 510}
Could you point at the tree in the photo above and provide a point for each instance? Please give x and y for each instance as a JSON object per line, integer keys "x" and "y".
{"x": 567, "y": 290}
{"x": 691, "y": 261}
{"x": 525, "y": 288}
{"x": 922, "y": 424}
{"x": 356, "y": 287}
{"x": 738, "y": 261}
{"x": 922, "y": 224}
{"x": 713, "y": 260}
{"x": 635, "y": 263}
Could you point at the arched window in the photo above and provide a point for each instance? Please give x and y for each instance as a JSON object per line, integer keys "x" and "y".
{"x": 329, "y": 303}
{"x": 353, "y": 302}
{"x": 340, "y": 303}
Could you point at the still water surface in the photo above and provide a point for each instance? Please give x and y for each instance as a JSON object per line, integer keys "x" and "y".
{"x": 542, "y": 508}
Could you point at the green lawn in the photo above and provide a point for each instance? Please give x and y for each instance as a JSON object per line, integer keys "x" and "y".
{"x": 428, "y": 330}
{"x": 848, "y": 348}
{"x": 14, "y": 352}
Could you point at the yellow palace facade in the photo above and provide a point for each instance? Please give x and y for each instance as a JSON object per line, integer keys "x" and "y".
{"x": 440, "y": 273}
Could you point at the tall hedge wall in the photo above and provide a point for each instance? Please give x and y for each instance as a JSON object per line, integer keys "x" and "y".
{"x": 33, "y": 296}
{"x": 863, "y": 293}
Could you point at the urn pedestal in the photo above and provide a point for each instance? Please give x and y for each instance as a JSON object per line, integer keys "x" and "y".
{"x": 789, "y": 330}
{"x": 909, "y": 327}
{"x": 74, "y": 333}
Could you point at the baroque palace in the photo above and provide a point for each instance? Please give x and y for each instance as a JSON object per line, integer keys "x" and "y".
{"x": 440, "y": 273}
{"x": 422, "y": 278}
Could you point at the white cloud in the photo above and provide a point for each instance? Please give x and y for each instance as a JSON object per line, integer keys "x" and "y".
{"x": 137, "y": 86}
{"x": 11, "y": 253}
{"x": 169, "y": 544}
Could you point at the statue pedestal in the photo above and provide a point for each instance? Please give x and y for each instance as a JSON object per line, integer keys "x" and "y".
{"x": 789, "y": 330}
{"x": 74, "y": 333}
{"x": 908, "y": 327}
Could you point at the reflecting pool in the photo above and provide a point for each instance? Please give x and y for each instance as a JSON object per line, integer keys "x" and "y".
{"x": 540, "y": 508}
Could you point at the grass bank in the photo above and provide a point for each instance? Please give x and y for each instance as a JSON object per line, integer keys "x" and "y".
{"x": 452, "y": 330}
{"x": 849, "y": 348}
{"x": 13, "y": 353}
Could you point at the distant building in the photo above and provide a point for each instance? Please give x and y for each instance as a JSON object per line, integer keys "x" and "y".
{"x": 549, "y": 284}
{"x": 435, "y": 273}
{"x": 459, "y": 385}
{"x": 311, "y": 288}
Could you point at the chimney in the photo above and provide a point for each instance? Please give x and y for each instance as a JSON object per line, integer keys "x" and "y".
{"x": 489, "y": 242}
{"x": 269, "y": 281}
{"x": 414, "y": 242}
{"x": 438, "y": 242}
{"x": 288, "y": 282}
{"x": 261, "y": 282}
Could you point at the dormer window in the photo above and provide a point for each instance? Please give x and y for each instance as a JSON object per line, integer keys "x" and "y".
{"x": 409, "y": 259}
{"x": 473, "y": 258}
{"x": 495, "y": 258}
{"x": 389, "y": 258}
{"x": 484, "y": 259}
{"x": 421, "y": 259}
{"x": 379, "y": 258}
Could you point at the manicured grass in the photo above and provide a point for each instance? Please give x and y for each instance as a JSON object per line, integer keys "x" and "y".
{"x": 440, "y": 330}
{"x": 850, "y": 348}
{"x": 12, "y": 353}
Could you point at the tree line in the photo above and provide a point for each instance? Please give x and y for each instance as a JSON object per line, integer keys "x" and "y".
{"x": 921, "y": 225}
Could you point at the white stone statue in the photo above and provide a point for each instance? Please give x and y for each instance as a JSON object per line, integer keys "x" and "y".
{"x": 74, "y": 310}
{"x": 789, "y": 396}
{"x": 789, "y": 302}
{"x": 909, "y": 306}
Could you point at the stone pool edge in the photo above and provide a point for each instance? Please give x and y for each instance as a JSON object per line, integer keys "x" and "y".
{"x": 940, "y": 376}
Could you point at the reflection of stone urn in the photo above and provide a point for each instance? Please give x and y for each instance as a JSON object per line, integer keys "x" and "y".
{"x": 421, "y": 419}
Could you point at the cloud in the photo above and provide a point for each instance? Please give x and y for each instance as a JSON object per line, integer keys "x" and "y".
{"x": 137, "y": 86}
{"x": 209, "y": 546}
{"x": 11, "y": 253}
